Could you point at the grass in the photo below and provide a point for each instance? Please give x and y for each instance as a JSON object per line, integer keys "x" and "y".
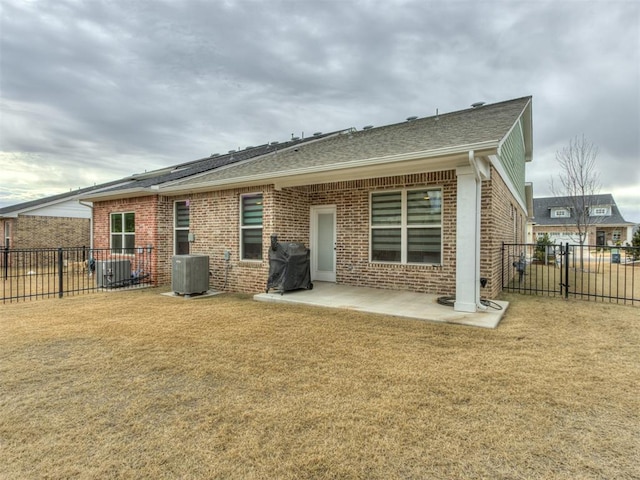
{"x": 603, "y": 281}
{"x": 137, "y": 385}
{"x": 21, "y": 284}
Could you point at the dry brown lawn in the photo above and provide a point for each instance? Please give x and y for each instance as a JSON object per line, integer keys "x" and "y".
{"x": 598, "y": 281}
{"x": 138, "y": 385}
{"x": 20, "y": 285}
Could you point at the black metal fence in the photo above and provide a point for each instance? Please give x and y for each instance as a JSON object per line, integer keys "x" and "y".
{"x": 590, "y": 272}
{"x": 29, "y": 274}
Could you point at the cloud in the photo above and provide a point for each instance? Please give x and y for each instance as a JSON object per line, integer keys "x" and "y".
{"x": 118, "y": 86}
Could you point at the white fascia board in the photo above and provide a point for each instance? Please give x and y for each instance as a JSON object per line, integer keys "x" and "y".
{"x": 368, "y": 164}
{"x": 114, "y": 195}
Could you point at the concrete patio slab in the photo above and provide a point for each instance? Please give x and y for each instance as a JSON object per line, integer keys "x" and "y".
{"x": 418, "y": 306}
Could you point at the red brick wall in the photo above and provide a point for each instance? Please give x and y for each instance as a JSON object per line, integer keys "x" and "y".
{"x": 352, "y": 218}
{"x": 503, "y": 220}
{"x": 146, "y": 217}
{"x": 49, "y": 232}
{"x": 214, "y": 221}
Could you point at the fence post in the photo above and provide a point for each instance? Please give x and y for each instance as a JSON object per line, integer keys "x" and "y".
{"x": 566, "y": 270}
{"x": 6, "y": 262}
{"x": 502, "y": 275}
{"x": 60, "y": 278}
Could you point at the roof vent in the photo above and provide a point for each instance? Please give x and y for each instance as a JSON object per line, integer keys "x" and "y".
{"x": 231, "y": 151}
{"x": 293, "y": 139}
{"x": 215, "y": 155}
{"x": 317, "y": 134}
{"x": 275, "y": 143}
{"x": 249, "y": 147}
{"x": 411, "y": 119}
{"x": 367, "y": 127}
{"x": 477, "y": 104}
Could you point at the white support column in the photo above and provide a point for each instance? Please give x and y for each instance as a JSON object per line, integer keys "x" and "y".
{"x": 467, "y": 240}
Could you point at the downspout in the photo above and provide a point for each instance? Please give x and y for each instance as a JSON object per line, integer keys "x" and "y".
{"x": 90, "y": 206}
{"x": 478, "y": 216}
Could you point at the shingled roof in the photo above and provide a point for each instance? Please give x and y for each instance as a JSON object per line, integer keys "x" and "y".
{"x": 486, "y": 126}
{"x": 482, "y": 126}
{"x": 13, "y": 210}
{"x": 143, "y": 183}
{"x": 542, "y": 210}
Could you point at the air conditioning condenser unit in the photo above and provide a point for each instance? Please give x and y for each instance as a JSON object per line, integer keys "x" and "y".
{"x": 112, "y": 273}
{"x": 190, "y": 274}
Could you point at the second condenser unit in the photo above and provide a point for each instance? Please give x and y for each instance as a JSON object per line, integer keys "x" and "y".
{"x": 112, "y": 273}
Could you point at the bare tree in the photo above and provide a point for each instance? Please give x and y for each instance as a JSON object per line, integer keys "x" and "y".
{"x": 578, "y": 182}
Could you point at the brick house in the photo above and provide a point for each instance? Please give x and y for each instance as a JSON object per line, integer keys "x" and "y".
{"x": 55, "y": 221}
{"x": 556, "y": 217}
{"x": 421, "y": 205}
{"x": 61, "y": 220}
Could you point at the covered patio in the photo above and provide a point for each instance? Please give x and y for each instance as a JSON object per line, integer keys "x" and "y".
{"x": 418, "y": 306}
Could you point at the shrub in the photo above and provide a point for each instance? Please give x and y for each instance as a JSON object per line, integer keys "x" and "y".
{"x": 541, "y": 247}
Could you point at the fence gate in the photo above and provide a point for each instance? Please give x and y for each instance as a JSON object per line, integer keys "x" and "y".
{"x": 588, "y": 272}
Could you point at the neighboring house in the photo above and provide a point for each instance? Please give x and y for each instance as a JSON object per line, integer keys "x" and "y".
{"x": 61, "y": 220}
{"x": 55, "y": 221}
{"x": 556, "y": 217}
{"x": 423, "y": 205}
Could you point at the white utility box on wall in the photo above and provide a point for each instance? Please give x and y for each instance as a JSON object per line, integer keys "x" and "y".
{"x": 190, "y": 274}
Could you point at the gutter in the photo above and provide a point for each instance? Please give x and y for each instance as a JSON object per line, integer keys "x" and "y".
{"x": 90, "y": 222}
{"x": 116, "y": 194}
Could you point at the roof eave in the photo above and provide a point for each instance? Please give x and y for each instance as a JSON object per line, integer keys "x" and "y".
{"x": 118, "y": 194}
{"x": 19, "y": 211}
{"x": 285, "y": 178}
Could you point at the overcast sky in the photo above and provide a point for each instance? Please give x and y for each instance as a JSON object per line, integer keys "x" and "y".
{"x": 92, "y": 90}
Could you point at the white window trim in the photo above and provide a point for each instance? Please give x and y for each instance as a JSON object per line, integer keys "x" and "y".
{"x": 600, "y": 211}
{"x": 123, "y": 249}
{"x": 404, "y": 227}
{"x": 249, "y": 227}
{"x": 175, "y": 220}
{"x": 561, "y": 213}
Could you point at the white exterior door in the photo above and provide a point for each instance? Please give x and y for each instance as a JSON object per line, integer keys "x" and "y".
{"x": 323, "y": 243}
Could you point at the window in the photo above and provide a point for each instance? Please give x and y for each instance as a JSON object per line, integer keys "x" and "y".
{"x": 181, "y": 227}
{"x": 251, "y": 227}
{"x": 7, "y": 234}
{"x": 599, "y": 211}
{"x": 406, "y": 226}
{"x": 123, "y": 232}
{"x": 560, "y": 213}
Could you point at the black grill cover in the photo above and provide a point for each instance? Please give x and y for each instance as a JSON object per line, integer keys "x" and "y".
{"x": 289, "y": 266}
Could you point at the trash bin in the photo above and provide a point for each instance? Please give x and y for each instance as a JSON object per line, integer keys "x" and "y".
{"x": 615, "y": 256}
{"x": 289, "y": 266}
